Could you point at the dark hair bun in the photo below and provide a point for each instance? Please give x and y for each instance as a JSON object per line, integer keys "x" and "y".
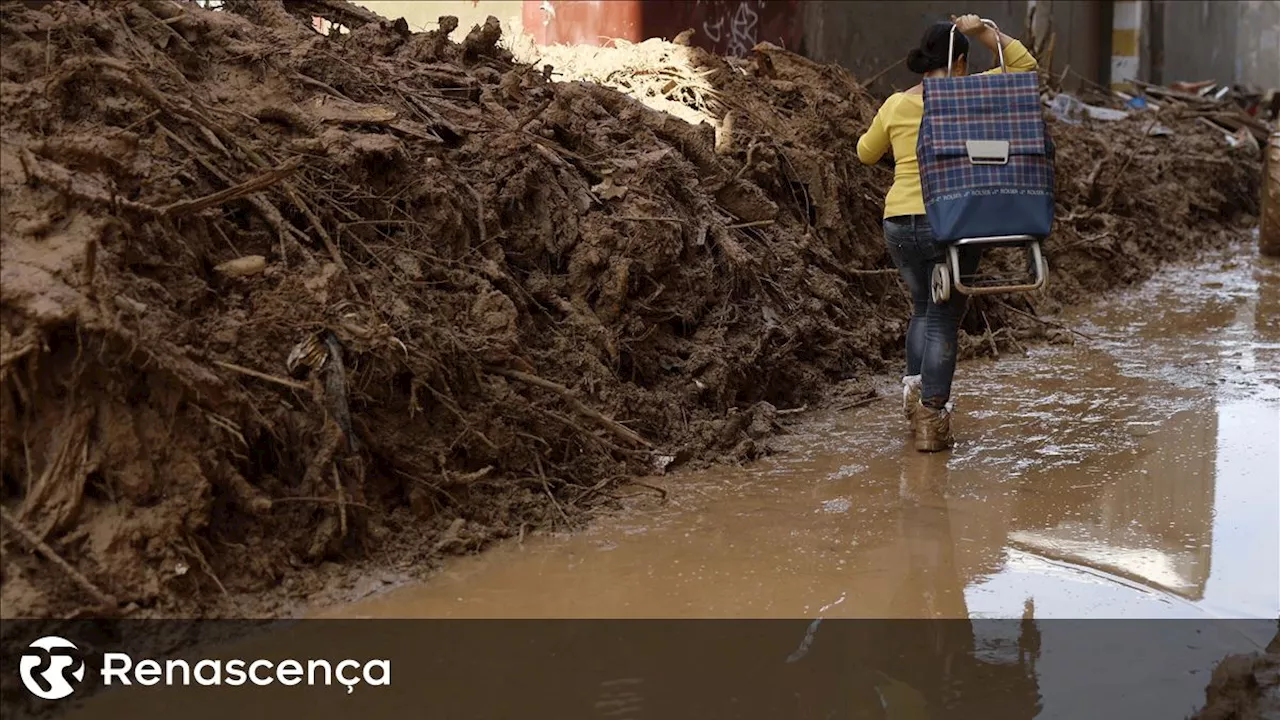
{"x": 920, "y": 63}
{"x": 932, "y": 53}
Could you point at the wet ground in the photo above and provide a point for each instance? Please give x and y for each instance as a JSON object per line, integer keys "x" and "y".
{"x": 1134, "y": 476}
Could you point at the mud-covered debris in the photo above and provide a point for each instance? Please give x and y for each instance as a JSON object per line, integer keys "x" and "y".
{"x": 483, "y": 40}
{"x": 1243, "y": 687}
{"x": 243, "y": 266}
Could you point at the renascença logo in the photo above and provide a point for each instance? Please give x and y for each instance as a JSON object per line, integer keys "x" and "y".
{"x": 51, "y": 668}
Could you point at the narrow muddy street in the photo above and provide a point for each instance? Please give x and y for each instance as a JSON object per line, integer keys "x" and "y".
{"x": 1130, "y": 477}
{"x": 376, "y": 324}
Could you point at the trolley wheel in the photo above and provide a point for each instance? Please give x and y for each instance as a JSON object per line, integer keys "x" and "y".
{"x": 941, "y": 286}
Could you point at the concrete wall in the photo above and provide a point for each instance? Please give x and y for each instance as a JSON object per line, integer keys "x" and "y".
{"x": 1258, "y": 44}
{"x": 869, "y": 37}
{"x": 1082, "y": 46}
{"x": 1230, "y": 42}
{"x": 866, "y": 37}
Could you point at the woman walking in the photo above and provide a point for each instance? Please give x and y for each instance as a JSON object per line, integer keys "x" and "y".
{"x": 932, "y": 334}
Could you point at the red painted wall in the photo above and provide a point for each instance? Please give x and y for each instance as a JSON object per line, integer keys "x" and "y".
{"x": 728, "y": 27}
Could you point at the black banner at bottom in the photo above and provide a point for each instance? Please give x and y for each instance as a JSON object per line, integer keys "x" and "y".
{"x": 662, "y": 669}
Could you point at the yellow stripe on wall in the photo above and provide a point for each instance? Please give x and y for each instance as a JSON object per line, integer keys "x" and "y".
{"x": 1124, "y": 43}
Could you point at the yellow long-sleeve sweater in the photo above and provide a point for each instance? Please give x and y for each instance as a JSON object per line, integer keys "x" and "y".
{"x": 896, "y": 127}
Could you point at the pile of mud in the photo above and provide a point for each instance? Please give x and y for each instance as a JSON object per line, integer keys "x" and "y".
{"x": 271, "y": 298}
{"x": 1244, "y": 687}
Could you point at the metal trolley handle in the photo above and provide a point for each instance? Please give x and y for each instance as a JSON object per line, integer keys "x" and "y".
{"x": 951, "y": 46}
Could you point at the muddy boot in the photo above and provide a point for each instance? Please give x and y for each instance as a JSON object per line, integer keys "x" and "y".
{"x": 932, "y": 428}
{"x": 910, "y": 394}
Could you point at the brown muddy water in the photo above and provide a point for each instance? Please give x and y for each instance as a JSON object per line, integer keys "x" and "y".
{"x": 1122, "y": 493}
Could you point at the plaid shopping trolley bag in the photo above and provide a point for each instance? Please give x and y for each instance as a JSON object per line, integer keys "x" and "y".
{"x": 986, "y": 158}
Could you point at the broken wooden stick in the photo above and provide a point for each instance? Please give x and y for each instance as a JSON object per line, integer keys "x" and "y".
{"x": 995, "y": 352}
{"x": 1041, "y": 320}
{"x": 322, "y": 501}
{"x": 542, "y": 107}
{"x": 248, "y": 187}
{"x": 755, "y": 223}
{"x": 563, "y": 420}
{"x": 869, "y": 82}
{"x": 646, "y": 218}
{"x": 39, "y": 546}
{"x": 1012, "y": 340}
{"x": 262, "y": 376}
{"x": 467, "y": 478}
{"x": 612, "y": 426}
{"x": 342, "y": 503}
{"x": 859, "y": 403}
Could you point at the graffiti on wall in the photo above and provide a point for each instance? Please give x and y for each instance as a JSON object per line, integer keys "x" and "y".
{"x": 726, "y": 27}
{"x": 732, "y": 28}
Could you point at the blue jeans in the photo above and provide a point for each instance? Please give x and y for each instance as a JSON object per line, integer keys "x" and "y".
{"x": 932, "y": 334}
